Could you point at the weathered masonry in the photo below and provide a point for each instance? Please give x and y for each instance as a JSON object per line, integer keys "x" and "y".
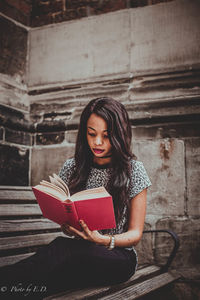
{"x": 54, "y": 58}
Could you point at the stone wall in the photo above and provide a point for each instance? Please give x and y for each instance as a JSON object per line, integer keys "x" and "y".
{"x": 60, "y": 67}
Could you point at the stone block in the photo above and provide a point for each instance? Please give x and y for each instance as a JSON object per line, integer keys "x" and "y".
{"x": 65, "y": 50}
{"x": 14, "y": 165}
{"x": 170, "y": 130}
{"x": 192, "y": 155}
{"x": 49, "y": 138}
{"x": 172, "y": 28}
{"x": 109, "y": 55}
{"x": 164, "y": 109}
{"x": 18, "y": 137}
{"x": 164, "y": 161}
{"x": 70, "y": 136}
{"x": 189, "y": 235}
{"x": 91, "y": 44}
{"x": 16, "y": 119}
{"x": 13, "y": 95}
{"x": 61, "y": 102}
{"x": 47, "y": 160}
{"x": 179, "y": 86}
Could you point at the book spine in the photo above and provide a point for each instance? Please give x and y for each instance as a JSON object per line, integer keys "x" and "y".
{"x": 72, "y": 216}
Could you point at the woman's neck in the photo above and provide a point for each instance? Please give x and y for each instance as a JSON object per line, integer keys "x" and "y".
{"x": 102, "y": 160}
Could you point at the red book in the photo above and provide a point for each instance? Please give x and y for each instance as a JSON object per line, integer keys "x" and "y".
{"x": 93, "y": 206}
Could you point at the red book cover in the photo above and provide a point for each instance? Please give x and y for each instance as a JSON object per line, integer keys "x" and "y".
{"x": 96, "y": 211}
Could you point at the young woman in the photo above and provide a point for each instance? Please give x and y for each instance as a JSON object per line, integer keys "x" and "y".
{"x": 102, "y": 158}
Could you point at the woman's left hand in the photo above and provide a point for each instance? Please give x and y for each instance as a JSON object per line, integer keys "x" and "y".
{"x": 87, "y": 234}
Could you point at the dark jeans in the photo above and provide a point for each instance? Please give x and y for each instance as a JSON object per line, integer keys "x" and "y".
{"x": 64, "y": 264}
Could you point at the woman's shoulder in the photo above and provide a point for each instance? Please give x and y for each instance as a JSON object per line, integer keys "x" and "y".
{"x": 69, "y": 163}
{"x": 139, "y": 179}
{"x": 136, "y": 165}
{"x": 67, "y": 169}
{"x": 138, "y": 169}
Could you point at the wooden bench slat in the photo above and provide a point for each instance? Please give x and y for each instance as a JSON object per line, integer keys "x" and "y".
{"x": 15, "y": 187}
{"x": 26, "y": 224}
{"x": 17, "y": 195}
{"x": 28, "y": 240}
{"x": 19, "y": 209}
{"x": 95, "y": 291}
{"x": 141, "y": 289}
{"x": 7, "y": 260}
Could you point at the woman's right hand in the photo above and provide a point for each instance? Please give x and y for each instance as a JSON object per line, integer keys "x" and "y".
{"x": 66, "y": 230}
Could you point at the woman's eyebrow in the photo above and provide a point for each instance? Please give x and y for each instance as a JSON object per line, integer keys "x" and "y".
{"x": 95, "y": 130}
{"x": 91, "y": 128}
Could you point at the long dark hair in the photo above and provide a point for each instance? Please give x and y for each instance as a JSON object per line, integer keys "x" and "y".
{"x": 119, "y": 132}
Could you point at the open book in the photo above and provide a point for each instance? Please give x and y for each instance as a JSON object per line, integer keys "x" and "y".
{"x": 93, "y": 206}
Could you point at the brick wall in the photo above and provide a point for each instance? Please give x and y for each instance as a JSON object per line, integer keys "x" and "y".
{"x": 19, "y": 10}
{"x": 41, "y": 12}
{"x": 14, "y": 48}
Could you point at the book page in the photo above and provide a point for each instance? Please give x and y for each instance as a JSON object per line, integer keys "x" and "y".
{"x": 99, "y": 192}
{"x": 57, "y": 184}
{"x": 51, "y": 191}
{"x": 53, "y": 186}
{"x": 58, "y": 181}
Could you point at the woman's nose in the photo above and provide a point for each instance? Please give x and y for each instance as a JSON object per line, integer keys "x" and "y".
{"x": 98, "y": 141}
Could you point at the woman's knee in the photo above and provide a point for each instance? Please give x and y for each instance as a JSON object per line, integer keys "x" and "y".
{"x": 59, "y": 241}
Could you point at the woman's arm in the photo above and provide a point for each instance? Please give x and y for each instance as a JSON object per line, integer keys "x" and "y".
{"x": 126, "y": 239}
{"x": 136, "y": 222}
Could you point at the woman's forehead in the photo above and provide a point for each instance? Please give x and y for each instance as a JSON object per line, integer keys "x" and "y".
{"x": 96, "y": 122}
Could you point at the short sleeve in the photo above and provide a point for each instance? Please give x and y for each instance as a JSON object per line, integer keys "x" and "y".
{"x": 67, "y": 170}
{"x": 139, "y": 179}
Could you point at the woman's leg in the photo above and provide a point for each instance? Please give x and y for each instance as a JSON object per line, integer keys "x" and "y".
{"x": 36, "y": 271}
{"x": 67, "y": 263}
{"x": 96, "y": 265}
{"x": 88, "y": 264}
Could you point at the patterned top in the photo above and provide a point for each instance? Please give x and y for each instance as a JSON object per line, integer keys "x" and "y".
{"x": 99, "y": 176}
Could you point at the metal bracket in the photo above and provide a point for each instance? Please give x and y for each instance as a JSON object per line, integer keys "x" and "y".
{"x": 175, "y": 248}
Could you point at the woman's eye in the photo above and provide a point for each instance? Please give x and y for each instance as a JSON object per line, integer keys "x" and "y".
{"x": 105, "y": 136}
{"x": 91, "y": 134}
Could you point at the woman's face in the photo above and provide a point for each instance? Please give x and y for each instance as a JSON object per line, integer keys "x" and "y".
{"x": 97, "y": 137}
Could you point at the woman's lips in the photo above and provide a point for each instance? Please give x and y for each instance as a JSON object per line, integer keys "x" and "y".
{"x": 98, "y": 151}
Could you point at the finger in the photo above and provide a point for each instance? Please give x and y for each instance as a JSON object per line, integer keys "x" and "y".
{"x": 66, "y": 230}
{"x": 85, "y": 227}
{"x": 77, "y": 232}
{"x": 64, "y": 226}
